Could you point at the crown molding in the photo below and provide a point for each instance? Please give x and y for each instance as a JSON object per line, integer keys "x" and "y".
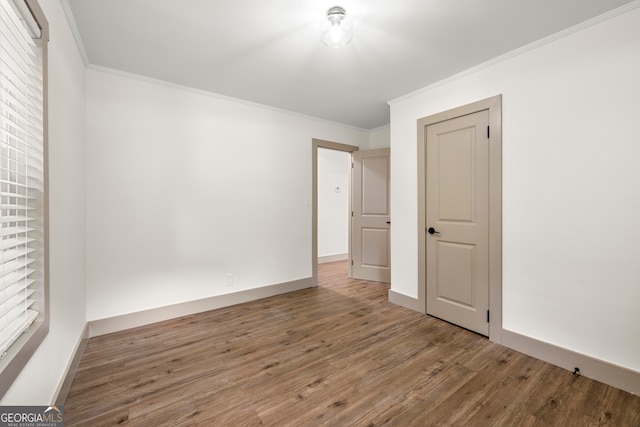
{"x": 521, "y": 50}
{"x": 74, "y": 30}
{"x": 210, "y": 94}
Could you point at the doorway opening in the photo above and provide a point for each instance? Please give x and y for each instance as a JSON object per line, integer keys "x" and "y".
{"x": 334, "y": 210}
{"x": 317, "y": 145}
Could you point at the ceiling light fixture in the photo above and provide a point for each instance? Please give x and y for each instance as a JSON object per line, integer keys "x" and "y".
{"x": 336, "y": 29}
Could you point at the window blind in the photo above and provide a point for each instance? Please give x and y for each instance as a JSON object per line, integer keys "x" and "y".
{"x": 21, "y": 172}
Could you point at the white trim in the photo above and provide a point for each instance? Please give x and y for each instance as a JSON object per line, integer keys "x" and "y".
{"x": 74, "y": 30}
{"x": 608, "y": 373}
{"x": 203, "y": 92}
{"x": 332, "y": 258}
{"x": 614, "y": 375}
{"x": 146, "y": 317}
{"x": 519, "y": 51}
{"x": 405, "y": 301}
{"x": 62, "y": 391}
{"x": 380, "y": 128}
{"x": 24, "y": 13}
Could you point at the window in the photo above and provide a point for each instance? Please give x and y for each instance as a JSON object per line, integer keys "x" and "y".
{"x": 23, "y": 186}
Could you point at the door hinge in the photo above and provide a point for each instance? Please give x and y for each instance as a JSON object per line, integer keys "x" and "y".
{"x": 487, "y": 316}
{"x": 351, "y": 262}
{"x": 488, "y": 132}
{"x": 351, "y": 165}
{"x": 352, "y": 213}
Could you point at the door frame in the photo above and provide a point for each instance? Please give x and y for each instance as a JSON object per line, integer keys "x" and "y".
{"x": 494, "y": 105}
{"x": 315, "y": 144}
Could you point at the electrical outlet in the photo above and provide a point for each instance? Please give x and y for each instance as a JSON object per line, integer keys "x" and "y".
{"x": 229, "y": 279}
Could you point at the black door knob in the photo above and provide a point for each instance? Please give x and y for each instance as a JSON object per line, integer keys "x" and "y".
{"x": 432, "y": 230}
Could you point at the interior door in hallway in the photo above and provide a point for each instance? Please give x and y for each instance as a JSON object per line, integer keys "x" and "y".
{"x": 371, "y": 220}
{"x": 457, "y": 221}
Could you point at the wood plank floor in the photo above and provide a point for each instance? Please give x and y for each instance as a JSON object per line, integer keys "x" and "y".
{"x": 336, "y": 355}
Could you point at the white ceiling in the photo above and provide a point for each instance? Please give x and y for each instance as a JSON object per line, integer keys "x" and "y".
{"x": 268, "y": 51}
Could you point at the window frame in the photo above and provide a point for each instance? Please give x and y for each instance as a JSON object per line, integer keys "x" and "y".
{"x": 24, "y": 347}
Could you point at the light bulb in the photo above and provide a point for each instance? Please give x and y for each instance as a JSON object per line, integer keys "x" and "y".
{"x": 336, "y": 29}
{"x": 336, "y": 32}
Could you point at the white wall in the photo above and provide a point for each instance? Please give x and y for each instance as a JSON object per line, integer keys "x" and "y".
{"x": 334, "y": 176}
{"x": 38, "y": 381}
{"x": 571, "y": 187}
{"x": 380, "y": 138}
{"x": 186, "y": 188}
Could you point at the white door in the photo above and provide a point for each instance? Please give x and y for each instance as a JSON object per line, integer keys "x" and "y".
{"x": 370, "y": 226}
{"x": 457, "y": 221}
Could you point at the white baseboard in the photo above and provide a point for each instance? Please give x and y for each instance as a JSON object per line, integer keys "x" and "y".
{"x": 146, "y": 317}
{"x": 405, "y": 301}
{"x": 60, "y": 396}
{"x": 332, "y": 258}
{"x": 608, "y": 373}
{"x": 617, "y": 376}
